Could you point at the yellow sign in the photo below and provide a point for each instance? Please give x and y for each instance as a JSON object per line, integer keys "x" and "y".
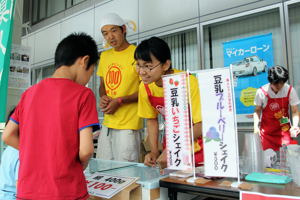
{"x": 247, "y": 96}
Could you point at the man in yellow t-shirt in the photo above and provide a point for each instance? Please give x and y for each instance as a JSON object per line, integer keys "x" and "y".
{"x": 120, "y": 135}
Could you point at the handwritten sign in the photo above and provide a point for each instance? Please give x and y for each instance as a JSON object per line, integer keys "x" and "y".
{"x": 106, "y": 186}
{"x": 178, "y": 140}
{"x": 219, "y": 123}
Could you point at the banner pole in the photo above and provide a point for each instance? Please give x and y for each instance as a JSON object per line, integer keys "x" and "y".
{"x": 191, "y": 122}
{"x": 236, "y": 136}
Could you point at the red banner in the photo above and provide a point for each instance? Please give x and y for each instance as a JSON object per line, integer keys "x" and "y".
{"x": 260, "y": 196}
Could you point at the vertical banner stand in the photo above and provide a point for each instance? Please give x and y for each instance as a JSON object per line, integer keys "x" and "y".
{"x": 235, "y": 184}
{"x": 192, "y": 179}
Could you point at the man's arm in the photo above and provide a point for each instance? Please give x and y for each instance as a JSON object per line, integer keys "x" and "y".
{"x": 102, "y": 87}
{"x": 86, "y": 146}
{"x": 256, "y": 118}
{"x": 152, "y": 130}
{"x": 11, "y": 134}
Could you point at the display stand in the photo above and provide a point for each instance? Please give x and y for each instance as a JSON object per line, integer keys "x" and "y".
{"x": 145, "y": 188}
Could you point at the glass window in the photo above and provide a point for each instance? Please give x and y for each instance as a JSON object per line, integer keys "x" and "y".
{"x": 294, "y": 22}
{"x": 26, "y": 10}
{"x": 35, "y": 11}
{"x": 96, "y": 79}
{"x": 257, "y": 24}
{"x": 69, "y": 3}
{"x": 55, "y": 6}
{"x": 37, "y": 74}
{"x": 48, "y": 71}
{"x": 42, "y": 10}
{"x": 216, "y": 34}
{"x": 184, "y": 51}
{"x": 77, "y": 1}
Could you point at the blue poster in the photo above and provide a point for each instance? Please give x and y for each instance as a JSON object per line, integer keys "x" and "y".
{"x": 250, "y": 59}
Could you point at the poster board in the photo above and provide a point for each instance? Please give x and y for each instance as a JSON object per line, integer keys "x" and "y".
{"x": 250, "y": 59}
{"x": 20, "y": 67}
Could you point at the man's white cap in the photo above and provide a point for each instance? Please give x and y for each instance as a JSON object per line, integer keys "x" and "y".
{"x": 111, "y": 19}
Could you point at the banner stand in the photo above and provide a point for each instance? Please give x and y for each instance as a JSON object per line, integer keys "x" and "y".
{"x": 219, "y": 124}
{"x": 178, "y": 136}
{"x": 192, "y": 179}
{"x": 235, "y": 184}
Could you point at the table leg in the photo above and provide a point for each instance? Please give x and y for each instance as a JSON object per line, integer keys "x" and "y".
{"x": 172, "y": 194}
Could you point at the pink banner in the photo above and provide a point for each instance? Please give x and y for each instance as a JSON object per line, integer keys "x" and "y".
{"x": 260, "y": 196}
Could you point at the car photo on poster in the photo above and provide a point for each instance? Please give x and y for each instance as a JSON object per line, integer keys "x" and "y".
{"x": 249, "y": 66}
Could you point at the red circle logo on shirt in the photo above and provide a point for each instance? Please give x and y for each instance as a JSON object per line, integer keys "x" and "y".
{"x": 274, "y": 106}
{"x": 113, "y": 77}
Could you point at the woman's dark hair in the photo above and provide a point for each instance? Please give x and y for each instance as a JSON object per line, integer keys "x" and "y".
{"x": 278, "y": 74}
{"x": 74, "y": 46}
{"x": 153, "y": 46}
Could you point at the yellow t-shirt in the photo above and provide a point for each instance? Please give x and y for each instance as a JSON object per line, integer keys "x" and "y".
{"x": 146, "y": 110}
{"x": 121, "y": 79}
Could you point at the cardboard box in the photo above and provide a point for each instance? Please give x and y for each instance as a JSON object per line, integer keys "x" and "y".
{"x": 132, "y": 192}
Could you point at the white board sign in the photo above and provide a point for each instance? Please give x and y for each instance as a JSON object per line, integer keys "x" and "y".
{"x": 219, "y": 122}
{"x": 178, "y": 140}
{"x": 106, "y": 186}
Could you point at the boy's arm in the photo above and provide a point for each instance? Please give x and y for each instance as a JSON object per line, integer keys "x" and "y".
{"x": 11, "y": 134}
{"x": 86, "y": 146}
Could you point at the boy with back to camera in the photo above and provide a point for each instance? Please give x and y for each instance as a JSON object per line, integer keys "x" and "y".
{"x": 53, "y": 123}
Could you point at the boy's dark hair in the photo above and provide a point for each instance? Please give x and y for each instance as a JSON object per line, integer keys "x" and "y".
{"x": 74, "y": 46}
{"x": 278, "y": 74}
{"x": 155, "y": 46}
{"x": 9, "y": 115}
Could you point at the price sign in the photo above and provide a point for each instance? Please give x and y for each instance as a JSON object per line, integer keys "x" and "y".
{"x": 106, "y": 186}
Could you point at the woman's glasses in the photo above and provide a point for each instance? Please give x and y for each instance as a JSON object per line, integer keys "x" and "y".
{"x": 147, "y": 68}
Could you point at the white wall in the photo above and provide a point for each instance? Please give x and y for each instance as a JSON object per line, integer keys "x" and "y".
{"x": 152, "y": 18}
{"x": 157, "y": 13}
{"x": 212, "y": 6}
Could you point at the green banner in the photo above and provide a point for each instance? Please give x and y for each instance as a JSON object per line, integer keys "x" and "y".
{"x": 6, "y": 29}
